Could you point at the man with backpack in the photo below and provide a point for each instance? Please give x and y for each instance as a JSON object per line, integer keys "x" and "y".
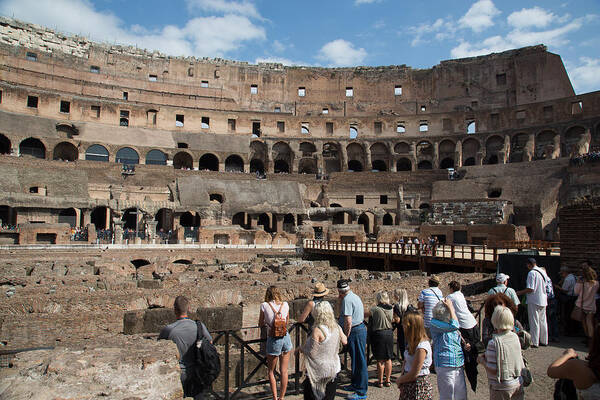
{"x": 502, "y": 287}
{"x": 184, "y": 333}
{"x": 537, "y": 300}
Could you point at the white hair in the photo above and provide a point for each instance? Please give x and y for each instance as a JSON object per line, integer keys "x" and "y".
{"x": 441, "y": 312}
{"x": 503, "y": 319}
{"x": 402, "y": 299}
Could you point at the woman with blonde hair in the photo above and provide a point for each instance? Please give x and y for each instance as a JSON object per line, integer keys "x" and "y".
{"x": 585, "y": 289}
{"x": 400, "y": 308}
{"x": 272, "y": 313}
{"x": 382, "y": 337}
{"x": 414, "y": 382}
{"x": 502, "y": 359}
{"x": 321, "y": 354}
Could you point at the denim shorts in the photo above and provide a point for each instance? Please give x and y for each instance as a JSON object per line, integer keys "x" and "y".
{"x": 277, "y": 346}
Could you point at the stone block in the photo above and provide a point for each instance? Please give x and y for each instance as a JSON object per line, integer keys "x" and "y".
{"x": 149, "y": 284}
{"x": 221, "y": 318}
{"x": 133, "y": 322}
{"x": 155, "y": 319}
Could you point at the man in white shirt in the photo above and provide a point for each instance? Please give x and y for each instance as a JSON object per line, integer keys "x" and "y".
{"x": 537, "y": 300}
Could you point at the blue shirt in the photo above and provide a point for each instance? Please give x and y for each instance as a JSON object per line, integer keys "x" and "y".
{"x": 429, "y": 297}
{"x": 352, "y": 305}
{"x": 447, "y": 351}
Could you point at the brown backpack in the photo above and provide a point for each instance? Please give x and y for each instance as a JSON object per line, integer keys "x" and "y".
{"x": 279, "y": 328}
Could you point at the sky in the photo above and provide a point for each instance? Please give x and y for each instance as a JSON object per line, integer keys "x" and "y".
{"x": 334, "y": 33}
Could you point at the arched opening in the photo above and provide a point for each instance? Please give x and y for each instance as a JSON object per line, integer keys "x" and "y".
{"x": 208, "y": 162}
{"x": 572, "y": 138}
{"x": 68, "y": 216}
{"x": 32, "y": 147}
{"x": 281, "y": 167}
{"x": 282, "y": 152}
{"x": 388, "y": 219}
{"x": 8, "y": 216}
{"x": 447, "y": 163}
{"x": 182, "y": 261}
{"x": 96, "y": 152}
{"x": 131, "y": 219}
{"x": 100, "y": 218}
{"x": 354, "y": 166}
{"x": 5, "y": 146}
{"x": 307, "y": 166}
{"x": 353, "y": 132}
{"x": 424, "y": 206}
{"x": 289, "y": 223}
{"x": 339, "y": 218}
{"x": 403, "y": 164}
{"x": 517, "y": 147}
{"x": 546, "y": 144}
{"x": 470, "y": 148}
{"x": 378, "y": 166}
{"x": 183, "y": 160}
{"x": 215, "y": 198}
{"x": 364, "y": 221}
{"x": 307, "y": 149}
{"x": 156, "y": 157}
{"x": 471, "y": 128}
{"x": 189, "y": 220}
{"x": 402, "y": 148}
{"x": 257, "y": 166}
{"x": 239, "y": 219}
{"x": 469, "y": 162}
{"x": 128, "y": 156}
{"x": 234, "y": 163}
{"x": 494, "y": 193}
{"x": 65, "y": 151}
{"x": 140, "y": 262}
{"x": 331, "y": 158}
{"x": 164, "y": 219}
{"x": 493, "y": 146}
{"x": 424, "y": 165}
{"x": 265, "y": 221}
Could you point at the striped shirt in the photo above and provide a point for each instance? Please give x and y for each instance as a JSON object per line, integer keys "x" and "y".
{"x": 491, "y": 361}
{"x": 447, "y": 351}
{"x": 429, "y": 297}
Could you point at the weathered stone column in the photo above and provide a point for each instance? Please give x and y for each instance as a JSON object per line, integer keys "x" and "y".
{"x": 152, "y": 231}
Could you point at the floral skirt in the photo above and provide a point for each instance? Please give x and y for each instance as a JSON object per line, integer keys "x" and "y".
{"x": 417, "y": 390}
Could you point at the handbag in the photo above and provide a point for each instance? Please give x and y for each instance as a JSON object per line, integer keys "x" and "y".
{"x": 577, "y": 313}
{"x": 526, "y": 374}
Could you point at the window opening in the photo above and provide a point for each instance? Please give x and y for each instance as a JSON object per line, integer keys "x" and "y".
{"x": 349, "y": 92}
{"x": 65, "y": 107}
{"x": 253, "y": 89}
{"x": 277, "y": 109}
{"x": 152, "y": 78}
{"x": 304, "y": 128}
{"x": 577, "y": 107}
{"x": 500, "y": 79}
{"x": 423, "y": 126}
{"x": 31, "y": 56}
{"x": 256, "y": 128}
{"x": 231, "y": 124}
{"x": 398, "y": 90}
{"x": 360, "y": 199}
{"x": 125, "y": 96}
{"x": 124, "y": 118}
{"x": 329, "y": 127}
{"x": 95, "y": 111}
{"x": 94, "y": 69}
{"x": 205, "y": 122}
{"x": 151, "y": 116}
{"x": 301, "y": 91}
{"x": 423, "y": 108}
{"x": 471, "y": 127}
{"x": 400, "y": 128}
{"x": 182, "y": 145}
{"x": 383, "y": 199}
{"x": 204, "y": 84}
{"x": 377, "y": 127}
{"x": 179, "y": 118}
{"x": 32, "y": 101}
{"x": 325, "y": 111}
{"x": 353, "y": 132}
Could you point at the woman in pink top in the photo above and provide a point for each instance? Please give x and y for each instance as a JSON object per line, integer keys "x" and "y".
{"x": 585, "y": 289}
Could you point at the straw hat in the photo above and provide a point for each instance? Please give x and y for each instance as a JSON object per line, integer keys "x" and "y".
{"x": 320, "y": 290}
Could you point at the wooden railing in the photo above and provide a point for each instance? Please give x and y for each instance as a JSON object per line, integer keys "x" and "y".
{"x": 458, "y": 252}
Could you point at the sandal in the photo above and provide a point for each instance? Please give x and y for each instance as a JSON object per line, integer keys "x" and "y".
{"x": 387, "y": 384}
{"x": 379, "y": 384}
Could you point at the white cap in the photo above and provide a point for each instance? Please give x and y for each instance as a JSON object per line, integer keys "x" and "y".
{"x": 502, "y": 278}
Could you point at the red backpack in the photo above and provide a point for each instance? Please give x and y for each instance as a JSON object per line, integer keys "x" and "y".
{"x": 279, "y": 328}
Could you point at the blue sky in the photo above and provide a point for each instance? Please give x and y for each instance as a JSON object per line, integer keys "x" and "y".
{"x": 334, "y": 32}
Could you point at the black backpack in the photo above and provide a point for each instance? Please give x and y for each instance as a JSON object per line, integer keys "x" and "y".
{"x": 564, "y": 389}
{"x": 208, "y": 363}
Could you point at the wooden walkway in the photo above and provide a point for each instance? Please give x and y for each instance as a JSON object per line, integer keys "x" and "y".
{"x": 476, "y": 257}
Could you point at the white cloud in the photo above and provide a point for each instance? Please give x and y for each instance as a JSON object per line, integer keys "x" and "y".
{"x": 480, "y": 16}
{"x": 440, "y": 29}
{"x": 530, "y": 17}
{"x": 278, "y": 47}
{"x": 205, "y": 36}
{"x": 279, "y": 60}
{"x": 518, "y": 38}
{"x": 341, "y": 53}
{"x": 379, "y": 24}
{"x": 585, "y": 77}
{"x": 226, "y": 7}
{"x": 359, "y": 2}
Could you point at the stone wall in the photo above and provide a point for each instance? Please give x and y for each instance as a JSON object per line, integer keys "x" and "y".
{"x": 580, "y": 233}
{"x": 470, "y": 212}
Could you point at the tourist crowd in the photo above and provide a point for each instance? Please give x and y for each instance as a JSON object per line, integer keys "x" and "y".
{"x": 439, "y": 335}
{"x": 591, "y": 157}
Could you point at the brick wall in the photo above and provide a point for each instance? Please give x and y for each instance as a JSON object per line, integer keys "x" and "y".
{"x": 580, "y": 233}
